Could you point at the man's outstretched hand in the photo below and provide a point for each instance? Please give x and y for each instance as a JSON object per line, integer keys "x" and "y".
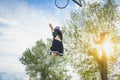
{"x": 51, "y": 27}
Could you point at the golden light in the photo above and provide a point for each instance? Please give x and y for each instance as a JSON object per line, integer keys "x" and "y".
{"x": 108, "y": 47}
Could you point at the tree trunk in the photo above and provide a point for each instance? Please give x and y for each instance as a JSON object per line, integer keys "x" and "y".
{"x": 103, "y": 72}
{"x": 103, "y": 66}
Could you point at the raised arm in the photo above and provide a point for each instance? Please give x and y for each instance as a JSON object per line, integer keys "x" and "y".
{"x": 51, "y": 27}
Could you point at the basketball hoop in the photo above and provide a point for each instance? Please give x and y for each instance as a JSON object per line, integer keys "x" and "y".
{"x": 66, "y": 2}
{"x": 61, "y": 5}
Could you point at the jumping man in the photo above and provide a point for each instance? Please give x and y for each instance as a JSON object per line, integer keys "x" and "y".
{"x": 57, "y": 45}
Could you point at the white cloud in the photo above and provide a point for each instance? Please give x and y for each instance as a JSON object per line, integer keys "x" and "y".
{"x": 24, "y": 27}
{"x": 11, "y": 68}
{"x": 12, "y": 63}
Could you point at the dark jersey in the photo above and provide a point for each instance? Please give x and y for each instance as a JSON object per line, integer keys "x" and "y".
{"x": 57, "y": 32}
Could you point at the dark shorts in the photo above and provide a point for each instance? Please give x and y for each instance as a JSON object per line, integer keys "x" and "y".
{"x": 57, "y": 47}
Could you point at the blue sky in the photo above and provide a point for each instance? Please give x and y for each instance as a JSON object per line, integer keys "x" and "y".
{"x": 22, "y": 23}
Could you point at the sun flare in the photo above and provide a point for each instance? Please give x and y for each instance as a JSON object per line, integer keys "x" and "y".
{"x": 108, "y": 47}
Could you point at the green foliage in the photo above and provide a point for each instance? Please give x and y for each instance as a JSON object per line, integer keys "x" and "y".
{"x": 83, "y": 33}
{"x": 41, "y": 66}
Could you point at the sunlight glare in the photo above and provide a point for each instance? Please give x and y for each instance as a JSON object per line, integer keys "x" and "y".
{"x": 108, "y": 47}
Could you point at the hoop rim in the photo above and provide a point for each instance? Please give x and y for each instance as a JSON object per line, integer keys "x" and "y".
{"x": 61, "y": 7}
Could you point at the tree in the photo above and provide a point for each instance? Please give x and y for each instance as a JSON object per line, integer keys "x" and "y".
{"x": 89, "y": 30}
{"x": 41, "y": 66}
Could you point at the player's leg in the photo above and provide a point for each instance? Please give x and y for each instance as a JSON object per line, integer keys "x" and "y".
{"x": 54, "y": 48}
